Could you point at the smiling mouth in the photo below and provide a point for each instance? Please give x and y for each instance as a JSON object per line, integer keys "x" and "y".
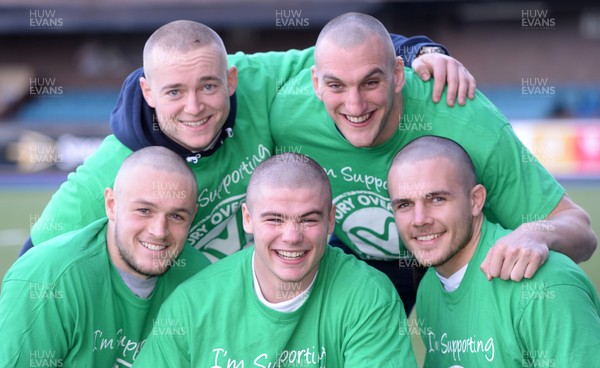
{"x": 153, "y": 247}
{"x": 290, "y": 256}
{"x": 428, "y": 237}
{"x": 195, "y": 124}
{"x": 358, "y": 119}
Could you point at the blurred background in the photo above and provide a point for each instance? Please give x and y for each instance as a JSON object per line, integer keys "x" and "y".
{"x": 62, "y": 64}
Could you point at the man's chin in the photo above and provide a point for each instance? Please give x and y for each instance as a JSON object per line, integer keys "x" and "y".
{"x": 359, "y": 142}
{"x": 153, "y": 272}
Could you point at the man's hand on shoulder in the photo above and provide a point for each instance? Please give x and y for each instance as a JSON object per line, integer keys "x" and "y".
{"x": 446, "y": 70}
{"x": 516, "y": 255}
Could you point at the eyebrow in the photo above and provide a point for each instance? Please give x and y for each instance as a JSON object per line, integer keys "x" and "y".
{"x": 145, "y": 203}
{"x": 209, "y": 78}
{"x": 427, "y": 195}
{"x": 277, "y": 214}
{"x": 375, "y": 71}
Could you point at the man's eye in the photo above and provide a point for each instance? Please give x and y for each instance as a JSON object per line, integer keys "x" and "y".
{"x": 372, "y": 83}
{"x": 173, "y": 93}
{"x": 334, "y": 85}
{"x": 143, "y": 211}
{"x": 210, "y": 87}
{"x": 177, "y": 217}
{"x": 401, "y": 206}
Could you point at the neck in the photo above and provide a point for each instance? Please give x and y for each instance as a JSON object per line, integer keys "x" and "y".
{"x": 463, "y": 256}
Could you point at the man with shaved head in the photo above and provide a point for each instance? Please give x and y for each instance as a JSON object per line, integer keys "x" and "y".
{"x": 174, "y": 55}
{"x": 373, "y": 106}
{"x": 215, "y": 116}
{"x": 89, "y": 297}
{"x": 551, "y": 320}
{"x": 290, "y": 299}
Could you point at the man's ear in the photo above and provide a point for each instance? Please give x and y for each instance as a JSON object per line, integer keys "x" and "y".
{"x": 109, "y": 204}
{"x": 399, "y": 77}
{"x": 478, "y": 195}
{"x": 147, "y": 92}
{"x": 315, "y": 82}
{"x": 246, "y": 219}
{"x": 232, "y": 80}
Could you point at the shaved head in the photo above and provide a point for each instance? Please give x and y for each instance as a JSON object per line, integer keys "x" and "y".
{"x": 288, "y": 170}
{"x": 354, "y": 29}
{"x": 432, "y": 147}
{"x": 150, "y": 210}
{"x": 154, "y": 157}
{"x": 173, "y": 39}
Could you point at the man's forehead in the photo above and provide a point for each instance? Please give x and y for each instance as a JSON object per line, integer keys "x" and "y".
{"x": 358, "y": 65}
{"x": 426, "y": 176}
{"x": 332, "y": 49}
{"x": 211, "y": 55}
{"x": 275, "y": 196}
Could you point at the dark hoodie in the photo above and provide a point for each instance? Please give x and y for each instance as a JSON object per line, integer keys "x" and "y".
{"x": 132, "y": 122}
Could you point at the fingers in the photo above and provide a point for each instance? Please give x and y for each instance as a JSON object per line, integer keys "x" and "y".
{"x": 419, "y": 67}
{"x": 517, "y": 272}
{"x": 532, "y": 268}
{"x": 446, "y": 71}
{"x": 525, "y": 267}
{"x": 439, "y": 68}
{"x": 463, "y": 88}
{"x": 495, "y": 262}
{"x": 485, "y": 265}
{"x": 510, "y": 262}
{"x": 472, "y": 84}
{"x": 452, "y": 77}
{"x": 467, "y": 86}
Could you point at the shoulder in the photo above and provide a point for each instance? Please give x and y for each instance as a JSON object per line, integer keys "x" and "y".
{"x": 560, "y": 270}
{"x": 80, "y": 252}
{"x": 228, "y": 271}
{"x": 110, "y": 153}
{"x": 241, "y": 59}
{"x": 100, "y": 168}
{"x": 479, "y": 114}
{"x": 216, "y": 287}
{"x": 189, "y": 263}
{"x": 346, "y": 274}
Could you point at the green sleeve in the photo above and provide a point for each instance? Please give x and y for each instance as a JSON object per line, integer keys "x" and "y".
{"x": 561, "y": 327}
{"x": 33, "y": 328}
{"x": 163, "y": 348}
{"x": 378, "y": 340}
{"x": 80, "y": 200}
{"x": 519, "y": 188}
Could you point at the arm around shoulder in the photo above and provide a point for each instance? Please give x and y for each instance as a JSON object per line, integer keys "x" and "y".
{"x": 573, "y": 234}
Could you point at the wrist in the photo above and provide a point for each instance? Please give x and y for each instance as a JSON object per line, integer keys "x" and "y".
{"x": 430, "y": 50}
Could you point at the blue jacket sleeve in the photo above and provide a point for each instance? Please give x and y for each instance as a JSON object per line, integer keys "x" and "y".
{"x": 408, "y": 48}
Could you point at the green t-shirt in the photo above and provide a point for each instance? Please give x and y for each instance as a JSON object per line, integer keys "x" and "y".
{"x": 519, "y": 187}
{"x": 222, "y": 177}
{"x": 352, "y": 317}
{"x": 64, "y": 304}
{"x": 550, "y": 320}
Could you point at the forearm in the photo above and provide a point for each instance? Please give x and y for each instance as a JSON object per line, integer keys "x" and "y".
{"x": 568, "y": 231}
